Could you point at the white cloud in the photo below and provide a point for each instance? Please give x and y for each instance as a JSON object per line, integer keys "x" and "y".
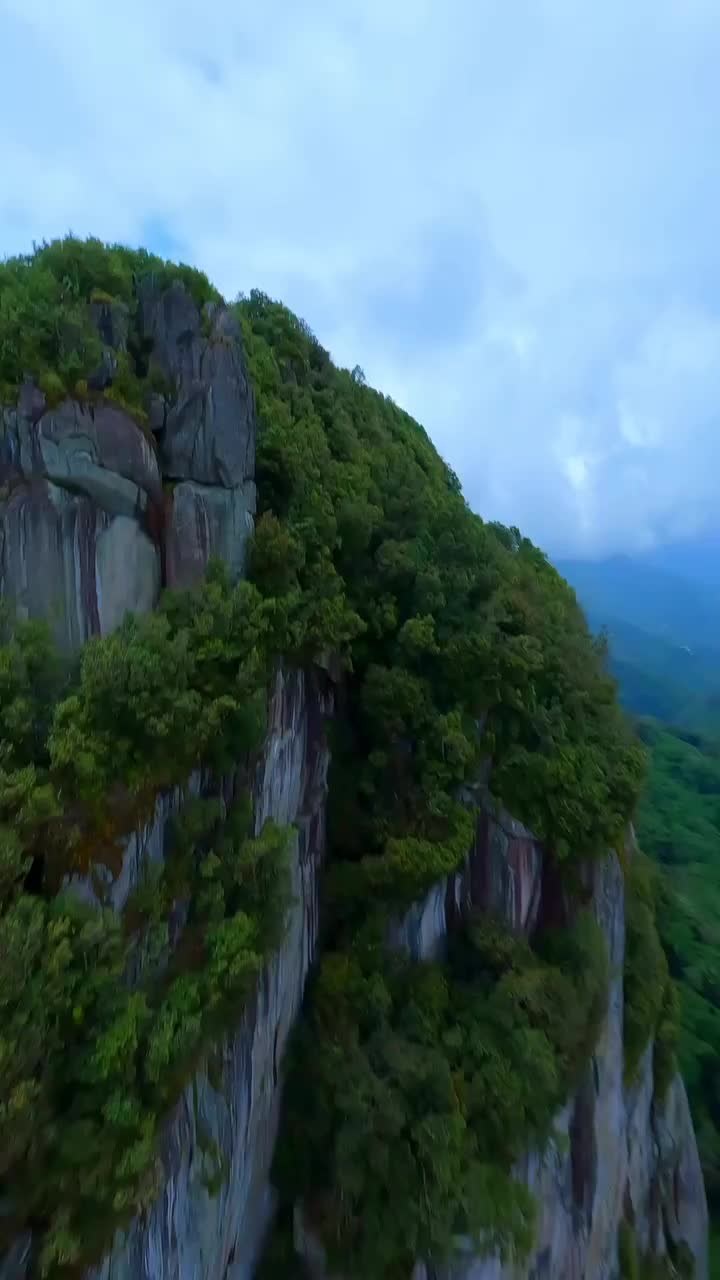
{"x": 506, "y": 213}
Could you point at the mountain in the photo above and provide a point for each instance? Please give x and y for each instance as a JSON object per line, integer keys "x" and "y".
{"x": 294, "y": 744}
{"x": 663, "y": 632}
{"x": 659, "y": 678}
{"x": 684, "y": 612}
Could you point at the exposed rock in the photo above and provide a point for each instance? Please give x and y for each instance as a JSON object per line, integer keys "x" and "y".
{"x": 81, "y": 499}
{"x": 503, "y": 875}
{"x": 31, "y": 401}
{"x": 74, "y": 444}
{"x": 102, "y": 377}
{"x": 505, "y": 867}
{"x": 681, "y": 1190}
{"x": 204, "y": 521}
{"x": 209, "y": 431}
{"x": 109, "y": 491}
{"x": 614, "y": 1151}
{"x": 127, "y": 572}
{"x": 111, "y": 319}
{"x": 13, "y": 1265}
{"x": 231, "y": 1109}
{"x": 157, "y": 412}
{"x": 65, "y": 559}
{"x": 10, "y": 471}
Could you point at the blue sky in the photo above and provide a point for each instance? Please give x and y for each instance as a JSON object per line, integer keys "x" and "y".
{"x": 506, "y": 212}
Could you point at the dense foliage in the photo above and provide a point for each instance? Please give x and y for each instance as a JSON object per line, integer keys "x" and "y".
{"x": 651, "y": 1000}
{"x": 414, "y": 1087}
{"x": 679, "y": 824}
{"x": 460, "y": 624}
{"x": 49, "y": 308}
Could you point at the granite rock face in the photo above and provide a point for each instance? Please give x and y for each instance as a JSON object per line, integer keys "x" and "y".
{"x": 66, "y": 559}
{"x": 91, "y": 523}
{"x": 617, "y": 1150}
{"x": 210, "y": 1219}
{"x": 81, "y": 446}
{"x": 205, "y": 520}
{"x": 209, "y": 427}
{"x": 503, "y": 875}
{"x": 226, "y": 1122}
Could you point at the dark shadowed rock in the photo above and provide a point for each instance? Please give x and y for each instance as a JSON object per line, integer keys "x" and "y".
{"x": 9, "y": 447}
{"x": 682, "y": 1190}
{"x": 102, "y": 377}
{"x": 209, "y": 428}
{"x": 157, "y": 412}
{"x": 14, "y": 1265}
{"x": 111, "y": 319}
{"x": 31, "y": 401}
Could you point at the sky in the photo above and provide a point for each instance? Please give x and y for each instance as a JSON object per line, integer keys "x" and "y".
{"x": 506, "y": 211}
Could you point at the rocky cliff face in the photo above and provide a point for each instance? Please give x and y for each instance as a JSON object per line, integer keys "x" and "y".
{"x": 210, "y": 1218}
{"x": 618, "y": 1152}
{"x": 96, "y": 513}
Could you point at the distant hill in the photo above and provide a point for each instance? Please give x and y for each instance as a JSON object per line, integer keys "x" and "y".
{"x": 663, "y": 631}
{"x": 680, "y": 610}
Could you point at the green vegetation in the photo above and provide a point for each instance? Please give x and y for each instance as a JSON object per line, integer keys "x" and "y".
{"x": 627, "y": 1252}
{"x": 455, "y": 622}
{"x": 413, "y": 1088}
{"x": 468, "y": 646}
{"x": 679, "y": 1266}
{"x": 48, "y": 316}
{"x": 650, "y": 1007}
{"x": 460, "y": 645}
{"x": 679, "y": 825}
{"x": 89, "y": 1066}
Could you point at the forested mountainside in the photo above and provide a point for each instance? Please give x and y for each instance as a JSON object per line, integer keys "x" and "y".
{"x": 194, "y": 628}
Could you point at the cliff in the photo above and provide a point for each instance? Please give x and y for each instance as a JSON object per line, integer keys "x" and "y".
{"x": 97, "y": 514}
{"x": 99, "y": 510}
{"x": 619, "y": 1153}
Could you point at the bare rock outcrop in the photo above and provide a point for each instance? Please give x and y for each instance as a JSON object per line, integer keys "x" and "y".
{"x": 98, "y": 510}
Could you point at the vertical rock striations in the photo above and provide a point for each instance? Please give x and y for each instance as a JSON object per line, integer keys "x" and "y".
{"x": 210, "y": 1218}
{"x": 98, "y": 509}
{"x": 619, "y": 1151}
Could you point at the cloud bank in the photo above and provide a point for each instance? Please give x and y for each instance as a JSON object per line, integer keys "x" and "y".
{"x": 507, "y": 214}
